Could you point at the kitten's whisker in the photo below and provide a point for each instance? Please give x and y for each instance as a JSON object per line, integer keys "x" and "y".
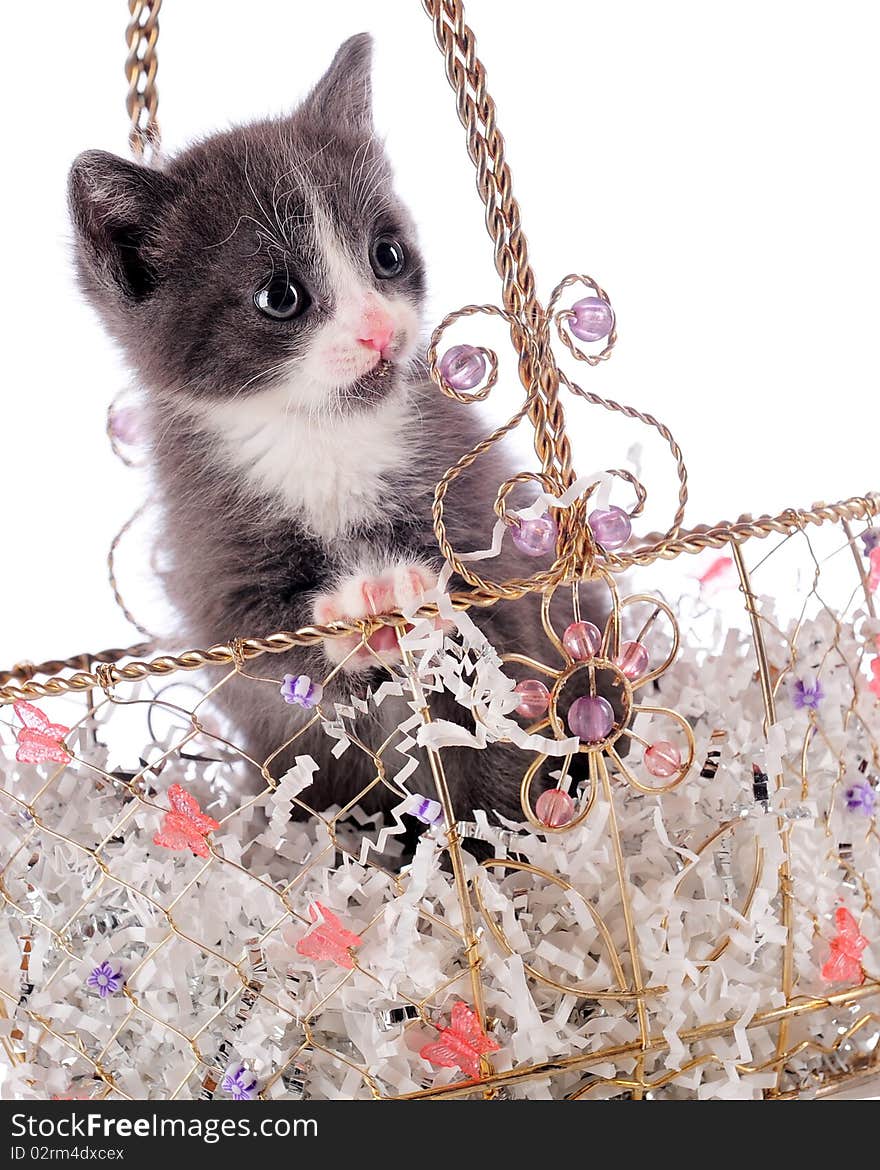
{"x": 247, "y": 179}
{"x": 302, "y": 182}
{"x": 277, "y": 368}
{"x": 299, "y": 169}
{"x": 259, "y": 227}
{"x": 365, "y": 180}
{"x": 365, "y": 177}
{"x": 363, "y": 147}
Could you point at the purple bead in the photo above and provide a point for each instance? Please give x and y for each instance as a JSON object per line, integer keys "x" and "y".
{"x": 611, "y": 527}
{"x": 861, "y": 797}
{"x": 591, "y": 718}
{"x": 633, "y": 660}
{"x": 428, "y": 811}
{"x": 536, "y": 537}
{"x": 463, "y": 367}
{"x": 582, "y": 640}
{"x": 593, "y": 319}
{"x": 300, "y": 689}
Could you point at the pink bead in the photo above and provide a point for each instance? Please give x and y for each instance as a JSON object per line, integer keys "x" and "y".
{"x": 534, "y": 698}
{"x": 591, "y": 718}
{"x": 611, "y": 528}
{"x": 663, "y": 759}
{"x": 593, "y": 319}
{"x": 582, "y": 640}
{"x": 126, "y": 425}
{"x": 633, "y": 660}
{"x": 463, "y": 367}
{"x": 554, "y": 808}
{"x": 535, "y": 537}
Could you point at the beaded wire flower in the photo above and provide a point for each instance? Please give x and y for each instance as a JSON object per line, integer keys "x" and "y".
{"x": 594, "y": 696}
{"x": 595, "y": 691}
{"x": 105, "y": 980}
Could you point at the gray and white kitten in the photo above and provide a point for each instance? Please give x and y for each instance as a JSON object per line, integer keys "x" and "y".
{"x": 266, "y": 287}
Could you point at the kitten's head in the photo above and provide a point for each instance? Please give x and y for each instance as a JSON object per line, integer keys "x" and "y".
{"x": 274, "y": 255}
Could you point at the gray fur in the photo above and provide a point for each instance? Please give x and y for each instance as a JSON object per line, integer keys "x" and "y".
{"x": 170, "y": 259}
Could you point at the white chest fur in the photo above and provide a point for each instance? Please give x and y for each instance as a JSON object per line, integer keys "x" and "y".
{"x": 333, "y": 472}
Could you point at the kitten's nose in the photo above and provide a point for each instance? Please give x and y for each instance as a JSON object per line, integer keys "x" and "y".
{"x": 376, "y": 329}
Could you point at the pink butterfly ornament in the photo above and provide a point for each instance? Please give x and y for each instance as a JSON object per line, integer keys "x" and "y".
{"x": 874, "y": 571}
{"x": 461, "y": 1044}
{"x": 874, "y": 684}
{"x": 39, "y": 741}
{"x": 185, "y": 825}
{"x": 717, "y": 575}
{"x": 329, "y": 940}
{"x": 844, "y": 964}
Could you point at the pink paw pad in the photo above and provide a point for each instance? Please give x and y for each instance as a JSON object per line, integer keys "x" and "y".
{"x": 359, "y": 596}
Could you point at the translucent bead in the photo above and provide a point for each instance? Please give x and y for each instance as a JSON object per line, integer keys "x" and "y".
{"x": 535, "y": 537}
{"x": 591, "y": 718}
{"x": 582, "y": 640}
{"x": 663, "y": 759}
{"x": 611, "y": 527}
{"x": 592, "y": 319}
{"x": 126, "y": 425}
{"x": 429, "y": 812}
{"x": 534, "y": 698}
{"x": 301, "y": 690}
{"x": 554, "y": 808}
{"x": 633, "y": 660}
{"x": 463, "y": 367}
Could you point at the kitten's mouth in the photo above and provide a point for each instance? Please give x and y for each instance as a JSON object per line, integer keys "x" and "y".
{"x": 375, "y": 380}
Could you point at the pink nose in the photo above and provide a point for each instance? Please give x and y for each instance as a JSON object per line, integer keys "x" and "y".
{"x": 376, "y": 330}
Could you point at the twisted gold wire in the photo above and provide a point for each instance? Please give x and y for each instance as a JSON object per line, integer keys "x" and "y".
{"x": 661, "y": 428}
{"x": 141, "y": 65}
{"x": 111, "y": 573}
{"x": 656, "y": 1043}
{"x": 485, "y": 145}
{"x": 787, "y": 522}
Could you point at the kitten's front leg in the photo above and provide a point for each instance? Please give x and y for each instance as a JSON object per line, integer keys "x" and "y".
{"x": 363, "y": 594}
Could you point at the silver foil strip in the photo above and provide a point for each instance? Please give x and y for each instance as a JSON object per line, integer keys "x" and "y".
{"x": 243, "y": 1008}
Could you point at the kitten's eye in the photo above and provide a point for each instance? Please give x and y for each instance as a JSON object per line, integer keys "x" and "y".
{"x": 387, "y": 257}
{"x": 282, "y": 299}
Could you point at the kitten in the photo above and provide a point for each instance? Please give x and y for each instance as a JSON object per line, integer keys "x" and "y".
{"x": 266, "y": 286}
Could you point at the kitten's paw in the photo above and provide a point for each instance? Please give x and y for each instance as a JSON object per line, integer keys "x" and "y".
{"x": 360, "y": 596}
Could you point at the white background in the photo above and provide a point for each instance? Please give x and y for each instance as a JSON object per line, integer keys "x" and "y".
{"x": 712, "y": 165}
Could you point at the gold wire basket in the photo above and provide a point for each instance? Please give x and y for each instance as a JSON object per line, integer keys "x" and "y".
{"x": 665, "y": 937}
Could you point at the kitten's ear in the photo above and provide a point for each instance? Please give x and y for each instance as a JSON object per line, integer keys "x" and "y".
{"x": 115, "y": 205}
{"x": 345, "y": 92}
